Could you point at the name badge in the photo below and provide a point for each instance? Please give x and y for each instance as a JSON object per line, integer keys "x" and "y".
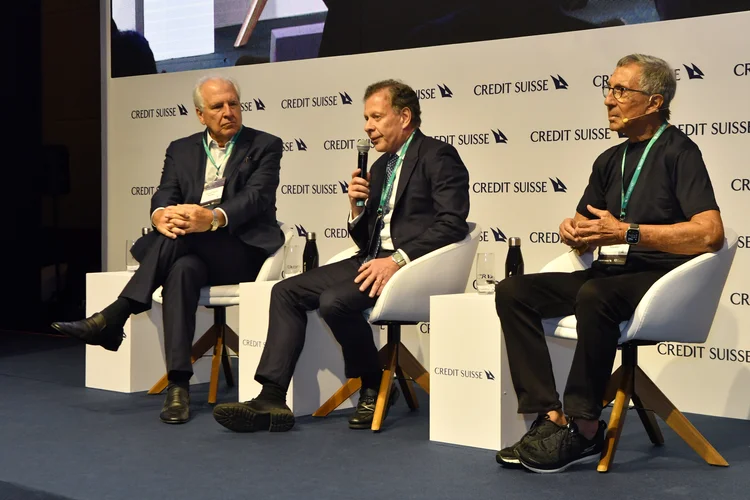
{"x": 616, "y": 255}
{"x": 212, "y": 192}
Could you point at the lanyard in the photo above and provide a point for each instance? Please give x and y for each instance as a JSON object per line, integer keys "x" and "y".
{"x": 389, "y": 182}
{"x": 625, "y": 196}
{"x": 230, "y": 147}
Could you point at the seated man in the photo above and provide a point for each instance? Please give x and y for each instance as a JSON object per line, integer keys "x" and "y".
{"x": 417, "y": 201}
{"x": 215, "y": 217}
{"x": 649, "y": 207}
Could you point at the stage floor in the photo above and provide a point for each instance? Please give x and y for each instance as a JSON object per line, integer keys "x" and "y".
{"x": 61, "y": 440}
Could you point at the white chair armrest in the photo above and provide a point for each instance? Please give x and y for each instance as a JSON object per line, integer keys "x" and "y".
{"x": 343, "y": 255}
{"x": 406, "y": 296}
{"x": 568, "y": 262}
{"x": 682, "y": 304}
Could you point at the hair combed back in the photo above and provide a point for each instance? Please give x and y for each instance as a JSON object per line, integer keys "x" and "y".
{"x": 402, "y": 96}
{"x": 657, "y": 77}
{"x": 198, "y": 97}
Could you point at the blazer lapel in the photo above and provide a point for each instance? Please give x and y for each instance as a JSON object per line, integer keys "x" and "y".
{"x": 407, "y": 167}
{"x": 200, "y": 168}
{"x": 241, "y": 147}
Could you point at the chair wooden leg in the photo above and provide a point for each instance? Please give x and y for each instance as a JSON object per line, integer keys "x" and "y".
{"x": 612, "y": 386}
{"x": 617, "y": 418}
{"x": 350, "y": 387}
{"x": 407, "y": 389}
{"x": 225, "y": 362}
{"x": 231, "y": 339}
{"x": 213, "y": 385}
{"x": 653, "y": 398}
{"x": 385, "y": 387}
{"x": 345, "y": 392}
{"x": 413, "y": 368}
{"x": 648, "y": 420}
{"x": 201, "y": 347}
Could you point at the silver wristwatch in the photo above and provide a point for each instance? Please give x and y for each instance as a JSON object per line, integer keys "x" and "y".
{"x": 215, "y": 221}
{"x": 398, "y": 259}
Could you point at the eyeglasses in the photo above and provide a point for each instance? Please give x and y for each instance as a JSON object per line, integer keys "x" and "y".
{"x": 618, "y": 91}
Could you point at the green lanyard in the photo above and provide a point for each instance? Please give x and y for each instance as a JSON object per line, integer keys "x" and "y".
{"x": 625, "y": 196}
{"x": 230, "y": 146}
{"x": 389, "y": 183}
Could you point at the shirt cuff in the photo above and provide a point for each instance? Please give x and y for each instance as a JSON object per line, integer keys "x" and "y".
{"x": 354, "y": 221}
{"x": 403, "y": 254}
{"x": 152, "y": 215}
{"x": 226, "y": 219}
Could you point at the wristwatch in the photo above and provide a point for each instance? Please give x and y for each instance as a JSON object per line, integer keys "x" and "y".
{"x": 398, "y": 258}
{"x": 215, "y": 221}
{"x": 633, "y": 234}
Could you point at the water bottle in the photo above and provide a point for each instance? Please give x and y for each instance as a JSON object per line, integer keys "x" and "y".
{"x": 310, "y": 254}
{"x": 514, "y": 260}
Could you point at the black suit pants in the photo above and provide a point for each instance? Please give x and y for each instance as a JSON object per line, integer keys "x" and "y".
{"x": 182, "y": 266}
{"x": 600, "y": 300}
{"x": 332, "y": 290}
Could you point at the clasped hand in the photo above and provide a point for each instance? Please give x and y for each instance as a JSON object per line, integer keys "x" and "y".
{"x": 585, "y": 234}
{"x": 179, "y": 220}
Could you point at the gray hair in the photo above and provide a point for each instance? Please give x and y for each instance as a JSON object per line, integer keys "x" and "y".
{"x": 198, "y": 97}
{"x": 657, "y": 77}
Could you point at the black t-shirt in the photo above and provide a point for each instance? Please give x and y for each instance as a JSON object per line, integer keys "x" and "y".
{"x": 673, "y": 186}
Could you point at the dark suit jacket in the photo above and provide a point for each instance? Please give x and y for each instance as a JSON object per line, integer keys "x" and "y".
{"x": 432, "y": 199}
{"x": 249, "y": 198}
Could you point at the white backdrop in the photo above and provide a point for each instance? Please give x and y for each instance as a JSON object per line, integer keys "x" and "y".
{"x": 483, "y": 108}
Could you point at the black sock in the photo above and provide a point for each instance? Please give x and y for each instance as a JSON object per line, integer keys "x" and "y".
{"x": 118, "y": 312}
{"x": 372, "y": 380}
{"x": 272, "y": 392}
{"x": 179, "y": 379}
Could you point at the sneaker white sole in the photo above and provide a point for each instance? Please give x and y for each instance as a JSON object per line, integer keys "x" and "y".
{"x": 583, "y": 460}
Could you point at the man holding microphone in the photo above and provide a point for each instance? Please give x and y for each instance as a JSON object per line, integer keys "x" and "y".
{"x": 416, "y": 201}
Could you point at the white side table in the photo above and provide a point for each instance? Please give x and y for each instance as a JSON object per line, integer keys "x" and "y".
{"x": 139, "y": 362}
{"x": 472, "y": 401}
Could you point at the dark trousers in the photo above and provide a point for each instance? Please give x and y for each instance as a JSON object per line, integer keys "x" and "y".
{"x": 332, "y": 290}
{"x": 600, "y": 301}
{"x": 182, "y": 266}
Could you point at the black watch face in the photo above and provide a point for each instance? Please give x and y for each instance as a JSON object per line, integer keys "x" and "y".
{"x": 632, "y": 236}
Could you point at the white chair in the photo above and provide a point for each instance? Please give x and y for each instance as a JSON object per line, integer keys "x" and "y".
{"x": 220, "y": 335}
{"x": 679, "y": 307}
{"x": 405, "y": 300}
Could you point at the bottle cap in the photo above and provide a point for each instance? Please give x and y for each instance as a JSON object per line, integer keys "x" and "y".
{"x": 514, "y": 241}
{"x": 146, "y": 230}
{"x": 311, "y": 236}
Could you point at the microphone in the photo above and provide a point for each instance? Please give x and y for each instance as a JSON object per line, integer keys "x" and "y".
{"x": 625, "y": 120}
{"x": 363, "y": 147}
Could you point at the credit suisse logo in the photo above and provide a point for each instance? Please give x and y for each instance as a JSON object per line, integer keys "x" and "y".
{"x": 551, "y": 185}
{"x": 554, "y": 82}
{"x": 320, "y": 101}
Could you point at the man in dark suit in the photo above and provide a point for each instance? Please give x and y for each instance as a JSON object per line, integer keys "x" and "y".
{"x": 215, "y": 216}
{"x": 417, "y": 200}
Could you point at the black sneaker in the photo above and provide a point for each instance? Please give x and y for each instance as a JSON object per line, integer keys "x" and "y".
{"x": 562, "y": 449}
{"x": 540, "y": 429}
{"x": 365, "y": 412}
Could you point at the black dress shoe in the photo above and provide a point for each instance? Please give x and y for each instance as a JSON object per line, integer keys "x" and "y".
{"x": 93, "y": 331}
{"x": 365, "y": 412}
{"x": 255, "y": 415}
{"x": 176, "y": 409}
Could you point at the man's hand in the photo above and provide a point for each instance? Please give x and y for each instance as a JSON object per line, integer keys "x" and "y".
{"x": 376, "y": 272}
{"x": 186, "y": 219}
{"x": 359, "y": 189}
{"x": 606, "y": 230}
{"x": 162, "y": 224}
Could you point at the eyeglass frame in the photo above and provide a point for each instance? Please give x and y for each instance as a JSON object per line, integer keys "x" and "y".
{"x": 621, "y": 89}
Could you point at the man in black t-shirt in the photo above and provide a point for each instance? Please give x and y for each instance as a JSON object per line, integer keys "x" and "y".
{"x": 648, "y": 207}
